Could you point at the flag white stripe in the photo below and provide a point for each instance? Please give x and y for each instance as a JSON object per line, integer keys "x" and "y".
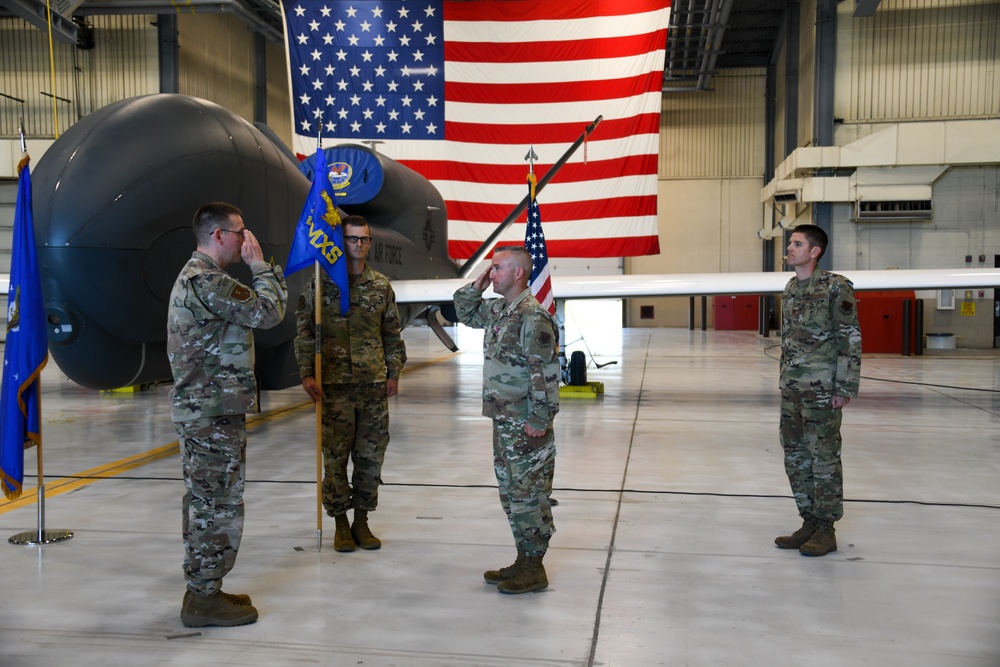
{"x": 558, "y": 71}
{"x": 529, "y": 114}
{"x": 631, "y": 227}
{"x": 563, "y": 30}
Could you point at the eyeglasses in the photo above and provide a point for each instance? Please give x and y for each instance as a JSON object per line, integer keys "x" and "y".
{"x": 241, "y": 232}
{"x": 363, "y": 240}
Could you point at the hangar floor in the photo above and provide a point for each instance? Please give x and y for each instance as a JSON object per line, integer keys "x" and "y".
{"x": 671, "y": 490}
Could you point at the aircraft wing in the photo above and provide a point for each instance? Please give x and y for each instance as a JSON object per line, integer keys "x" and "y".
{"x": 708, "y": 284}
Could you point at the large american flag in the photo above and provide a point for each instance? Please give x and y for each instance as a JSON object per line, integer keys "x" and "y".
{"x": 457, "y": 90}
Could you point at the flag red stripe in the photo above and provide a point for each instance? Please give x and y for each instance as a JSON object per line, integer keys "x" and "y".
{"x": 573, "y": 91}
{"x": 592, "y": 170}
{"x": 631, "y": 246}
{"x": 569, "y": 212}
{"x": 544, "y": 290}
{"x": 615, "y": 128}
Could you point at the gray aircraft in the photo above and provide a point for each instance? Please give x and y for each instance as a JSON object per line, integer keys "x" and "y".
{"x": 113, "y": 201}
{"x": 114, "y": 197}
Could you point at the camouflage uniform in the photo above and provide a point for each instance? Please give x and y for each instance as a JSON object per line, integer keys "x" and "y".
{"x": 820, "y": 358}
{"x": 210, "y": 347}
{"x": 360, "y": 353}
{"x": 520, "y": 386}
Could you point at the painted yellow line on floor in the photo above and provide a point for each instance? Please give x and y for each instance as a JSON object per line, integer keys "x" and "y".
{"x": 61, "y": 485}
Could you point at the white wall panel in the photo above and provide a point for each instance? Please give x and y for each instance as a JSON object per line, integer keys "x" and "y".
{"x": 217, "y": 63}
{"x": 122, "y": 64}
{"x": 718, "y": 133}
{"x": 217, "y": 60}
{"x": 780, "y": 118}
{"x": 919, "y": 59}
{"x": 706, "y": 226}
{"x": 279, "y": 105}
{"x": 966, "y": 222}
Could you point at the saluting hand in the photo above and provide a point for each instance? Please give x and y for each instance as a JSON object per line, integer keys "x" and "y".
{"x": 483, "y": 281}
{"x": 250, "y": 250}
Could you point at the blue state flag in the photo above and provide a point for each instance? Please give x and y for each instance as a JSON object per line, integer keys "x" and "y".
{"x": 319, "y": 236}
{"x": 26, "y": 350}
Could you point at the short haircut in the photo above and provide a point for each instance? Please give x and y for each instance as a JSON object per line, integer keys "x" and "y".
{"x": 212, "y": 216}
{"x": 355, "y": 221}
{"x": 519, "y": 254}
{"x": 815, "y": 235}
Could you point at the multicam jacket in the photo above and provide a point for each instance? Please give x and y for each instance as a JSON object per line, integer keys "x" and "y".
{"x": 820, "y": 335}
{"x": 209, "y": 337}
{"x": 520, "y": 347}
{"x": 364, "y": 346}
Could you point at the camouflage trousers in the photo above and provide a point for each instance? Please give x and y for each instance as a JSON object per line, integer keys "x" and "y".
{"x": 213, "y": 458}
{"x": 524, "y": 468}
{"x": 355, "y": 428}
{"x": 810, "y": 436}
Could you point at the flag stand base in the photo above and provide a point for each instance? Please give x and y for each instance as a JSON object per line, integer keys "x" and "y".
{"x": 33, "y": 538}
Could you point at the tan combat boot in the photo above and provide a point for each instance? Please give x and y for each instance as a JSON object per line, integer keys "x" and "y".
{"x": 800, "y": 536}
{"x": 361, "y": 533}
{"x": 823, "y": 541}
{"x": 342, "y": 540}
{"x": 238, "y": 598}
{"x": 215, "y": 609}
{"x": 505, "y": 573}
{"x": 531, "y": 577}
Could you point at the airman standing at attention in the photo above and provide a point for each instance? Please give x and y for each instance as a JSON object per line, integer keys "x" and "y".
{"x": 521, "y": 395}
{"x": 820, "y": 373}
{"x": 363, "y": 355}
{"x": 210, "y": 348}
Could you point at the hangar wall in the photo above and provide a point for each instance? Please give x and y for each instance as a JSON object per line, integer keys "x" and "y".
{"x": 217, "y": 63}
{"x": 122, "y": 64}
{"x": 913, "y": 61}
{"x": 711, "y": 169}
{"x": 921, "y": 61}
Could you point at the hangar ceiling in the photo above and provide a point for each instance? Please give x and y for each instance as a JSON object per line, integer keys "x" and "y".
{"x": 708, "y": 35}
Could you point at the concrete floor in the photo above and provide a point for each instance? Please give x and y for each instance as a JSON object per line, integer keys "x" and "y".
{"x": 671, "y": 491}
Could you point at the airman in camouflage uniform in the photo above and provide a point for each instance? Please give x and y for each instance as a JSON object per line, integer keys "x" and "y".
{"x": 210, "y": 347}
{"x": 820, "y": 373}
{"x": 363, "y": 355}
{"x": 521, "y": 395}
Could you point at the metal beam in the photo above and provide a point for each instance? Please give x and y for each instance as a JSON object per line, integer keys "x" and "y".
{"x": 166, "y": 34}
{"x": 267, "y": 23}
{"x": 865, "y": 7}
{"x": 36, "y": 13}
